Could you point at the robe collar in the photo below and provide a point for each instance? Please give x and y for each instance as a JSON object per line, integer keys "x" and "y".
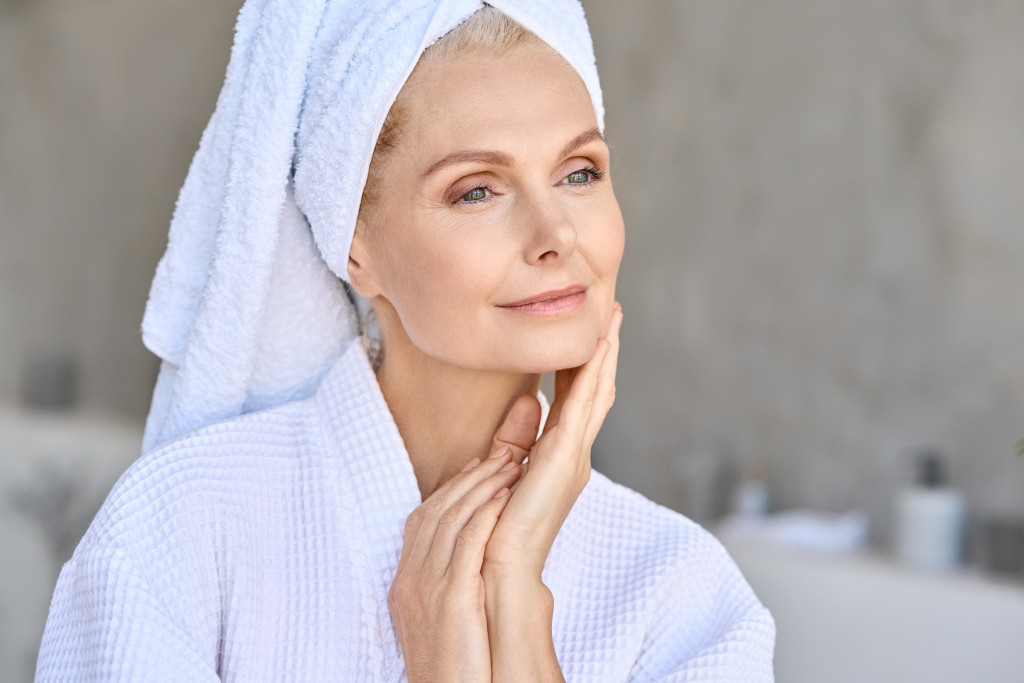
{"x": 364, "y": 437}
{"x": 362, "y": 433}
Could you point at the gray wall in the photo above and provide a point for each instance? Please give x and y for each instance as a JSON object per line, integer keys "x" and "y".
{"x": 825, "y": 246}
{"x": 824, "y": 252}
{"x": 103, "y": 104}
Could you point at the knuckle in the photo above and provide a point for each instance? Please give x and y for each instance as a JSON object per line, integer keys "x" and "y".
{"x": 396, "y": 594}
{"x": 432, "y": 507}
{"x": 468, "y": 537}
{"x": 451, "y": 516}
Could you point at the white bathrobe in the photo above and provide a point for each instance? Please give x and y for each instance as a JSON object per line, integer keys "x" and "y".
{"x": 261, "y": 548}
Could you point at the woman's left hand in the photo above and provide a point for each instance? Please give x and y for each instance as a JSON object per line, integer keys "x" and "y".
{"x": 559, "y": 461}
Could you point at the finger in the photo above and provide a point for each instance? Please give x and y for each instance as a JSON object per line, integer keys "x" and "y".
{"x": 471, "y": 542}
{"x": 518, "y": 430}
{"x": 412, "y": 527}
{"x": 455, "y": 518}
{"x": 563, "y": 381}
{"x": 579, "y": 402}
{"x": 422, "y": 525}
{"x": 604, "y": 395}
{"x": 523, "y": 469}
{"x": 415, "y": 520}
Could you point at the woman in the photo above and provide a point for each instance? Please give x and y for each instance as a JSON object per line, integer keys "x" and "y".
{"x": 403, "y": 519}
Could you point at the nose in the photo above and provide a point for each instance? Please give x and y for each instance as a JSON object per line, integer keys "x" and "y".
{"x": 551, "y": 232}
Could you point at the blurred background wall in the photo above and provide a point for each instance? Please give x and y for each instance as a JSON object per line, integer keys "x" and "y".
{"x": 824, "y": 261}
{"x": 823, "y": 272}
{"x": 103, "y": 103}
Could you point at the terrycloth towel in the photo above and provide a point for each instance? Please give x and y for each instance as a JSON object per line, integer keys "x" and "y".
{"x": 247, "y": 310}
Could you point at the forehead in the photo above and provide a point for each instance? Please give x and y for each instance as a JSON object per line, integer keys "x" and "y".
{"x": 479, "y": 97}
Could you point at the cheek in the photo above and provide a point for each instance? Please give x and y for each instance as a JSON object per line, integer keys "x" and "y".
{"x": 616, "y": 244}
{"x": 441, "y": 287}
{"x": 608, "y": 241}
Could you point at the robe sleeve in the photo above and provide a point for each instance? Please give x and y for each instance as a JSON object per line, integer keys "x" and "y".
{"x": 736, "y": 636}
{"x": 106, "y": 624}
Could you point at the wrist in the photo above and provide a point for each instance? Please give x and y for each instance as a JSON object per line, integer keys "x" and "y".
{"x": 510, "y": 592}
{"x": 519, "y": 609}
{"x": 519, "y": 572}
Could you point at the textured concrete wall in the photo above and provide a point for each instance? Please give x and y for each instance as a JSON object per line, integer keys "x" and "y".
{"x": 102, "y": 106}
{"x": 825, "y": 246}
{"x": 824, "y": 207}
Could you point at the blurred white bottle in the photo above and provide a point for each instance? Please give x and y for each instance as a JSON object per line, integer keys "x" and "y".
{"x": 930, "y": 518}
{"x": 750, "y": 497}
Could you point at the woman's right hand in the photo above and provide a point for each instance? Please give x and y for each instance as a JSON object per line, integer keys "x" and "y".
{"x": 437, "y": 596}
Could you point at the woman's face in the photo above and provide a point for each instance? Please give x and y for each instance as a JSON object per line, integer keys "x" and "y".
{"x": 496, "y": 238}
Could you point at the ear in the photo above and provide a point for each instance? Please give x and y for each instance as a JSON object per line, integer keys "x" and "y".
{"x": 361, "y": 273}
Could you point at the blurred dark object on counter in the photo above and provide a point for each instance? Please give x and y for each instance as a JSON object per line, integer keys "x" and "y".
{"x": 1003, "y": 545}
{"x": 50, "y": 381}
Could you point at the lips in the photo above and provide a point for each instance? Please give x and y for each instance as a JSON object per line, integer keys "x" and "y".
{"x": 553, "y": 301}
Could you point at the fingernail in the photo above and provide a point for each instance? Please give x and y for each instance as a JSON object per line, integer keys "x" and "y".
{"x": 507, "y": 466}
{"x": 501, "y": 493}
{"x": 471, "y": 464}
{"x": 501, "y": 452}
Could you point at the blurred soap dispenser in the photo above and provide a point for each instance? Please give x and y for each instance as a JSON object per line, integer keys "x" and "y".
{"x": 930, "y": 518}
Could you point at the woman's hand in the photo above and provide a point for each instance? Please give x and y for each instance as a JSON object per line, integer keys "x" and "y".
{"x": 518, "y": 606}
{"x": 559, "y": 461}
{"x": 467, "y": 600}
{"x": 437, "y": 596}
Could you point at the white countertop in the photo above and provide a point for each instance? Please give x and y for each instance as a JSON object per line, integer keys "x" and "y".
{"x": 865, "y": 618}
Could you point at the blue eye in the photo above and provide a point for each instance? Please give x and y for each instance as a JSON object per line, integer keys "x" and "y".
{"x": 477, "y": 194}
{"x": 584, "y": 176}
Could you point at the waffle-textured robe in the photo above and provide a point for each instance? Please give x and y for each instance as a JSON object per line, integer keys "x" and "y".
{"x": 262, "y": 549}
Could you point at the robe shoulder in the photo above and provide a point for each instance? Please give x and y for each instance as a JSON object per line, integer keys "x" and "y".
{"x": 672, "y": 585}
{"x": 252, "y": 462}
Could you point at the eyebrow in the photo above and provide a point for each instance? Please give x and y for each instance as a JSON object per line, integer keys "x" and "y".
{"x": 580, "y": 140}
{"x": 465, "y": 156}
{"x": 501, "y": 159}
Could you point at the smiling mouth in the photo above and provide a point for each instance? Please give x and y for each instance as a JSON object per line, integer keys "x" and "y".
{"x": 551, "y": 302}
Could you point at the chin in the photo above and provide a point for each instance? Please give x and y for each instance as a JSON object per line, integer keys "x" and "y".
{"x": 557, "y": 356}
{"x": 559, "y": 348}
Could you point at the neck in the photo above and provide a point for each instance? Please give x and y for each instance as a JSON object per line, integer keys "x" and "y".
{"x": 447, "y": 415}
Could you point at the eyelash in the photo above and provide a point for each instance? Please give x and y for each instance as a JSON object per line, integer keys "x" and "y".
{"x": 595, "y": 176}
